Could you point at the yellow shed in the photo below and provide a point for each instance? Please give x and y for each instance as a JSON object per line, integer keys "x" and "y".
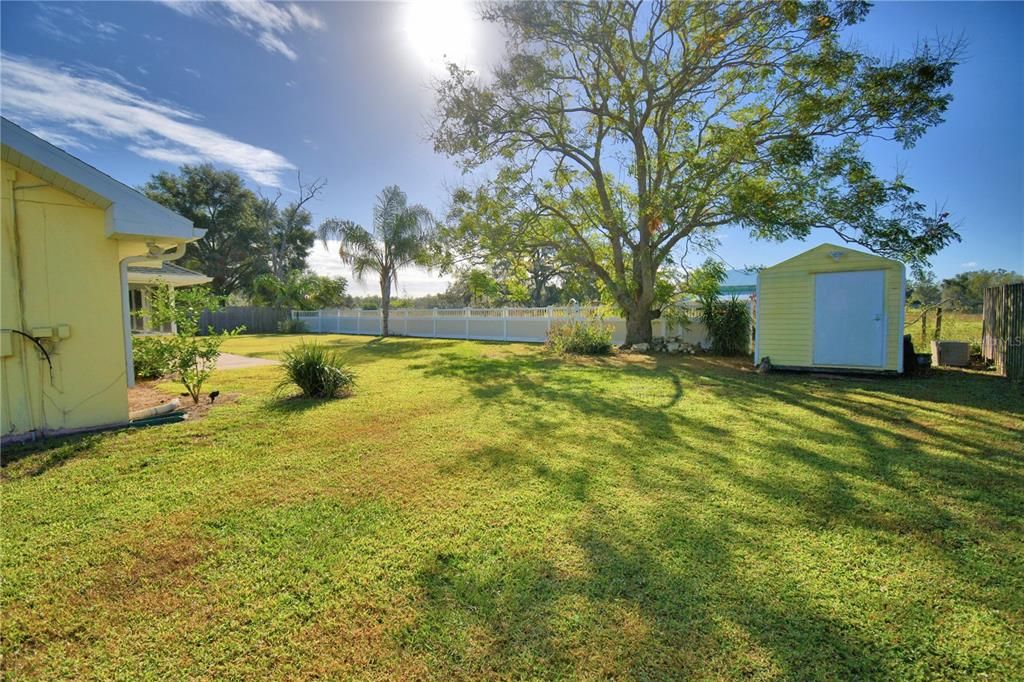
{"x": 69, "y": 234}
{"x": 832, "y": 308}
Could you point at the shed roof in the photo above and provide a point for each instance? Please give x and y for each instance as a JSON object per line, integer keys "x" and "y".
{"x": 827, "y": 250}
{"x": 129, "y": 212}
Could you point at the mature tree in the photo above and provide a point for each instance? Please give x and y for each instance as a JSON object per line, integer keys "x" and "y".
{"x": 288, "y": 229}
{"x": 621, "y": 129}
{"x": 299, "y": 290}
{"x": 328, "y": 292}
{"x": 480, "y": 232}
{"x": 398, "y": 238}
{"x": 966, "y": 290}
{"x": 233, "y": 250}
{"x": 923, "y": 289}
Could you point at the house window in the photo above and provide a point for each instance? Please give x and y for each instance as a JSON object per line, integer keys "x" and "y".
{"x": 140, "y": 306}
{"x": 135, "y": 305}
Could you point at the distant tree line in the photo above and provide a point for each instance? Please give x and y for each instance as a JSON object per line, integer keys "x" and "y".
{"x": 963, "y": 292}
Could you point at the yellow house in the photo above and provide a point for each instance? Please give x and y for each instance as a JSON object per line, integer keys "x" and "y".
{"x": 832, "y": 308}
{"x": 70, "y": 233}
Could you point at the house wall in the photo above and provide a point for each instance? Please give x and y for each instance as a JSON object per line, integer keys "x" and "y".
{"x": 59, "y": 268}
{"x": 785, "y": 304}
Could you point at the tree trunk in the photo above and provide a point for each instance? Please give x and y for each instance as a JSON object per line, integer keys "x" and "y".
{"x": 385, "y": 306}
{"x": 638, "y": 325}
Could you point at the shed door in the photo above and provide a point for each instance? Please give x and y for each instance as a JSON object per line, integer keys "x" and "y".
{"x": 849, "y": 318}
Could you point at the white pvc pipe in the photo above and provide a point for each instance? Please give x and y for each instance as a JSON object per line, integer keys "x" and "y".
{"x": 156, "y": 411}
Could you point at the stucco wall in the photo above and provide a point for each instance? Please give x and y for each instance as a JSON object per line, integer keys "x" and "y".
{"x": 785, "y": 304}
{"x": 59, "y": 268}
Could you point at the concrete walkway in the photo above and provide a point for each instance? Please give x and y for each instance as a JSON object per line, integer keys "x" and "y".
{"x": 232, "y": 361}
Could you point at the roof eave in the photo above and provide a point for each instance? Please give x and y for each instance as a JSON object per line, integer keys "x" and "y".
{"x": 130, "y": 214}
{"x": 126, "y": 221}
{"x": 174, "y": 280}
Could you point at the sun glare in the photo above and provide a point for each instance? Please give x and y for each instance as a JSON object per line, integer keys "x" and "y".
{"x": 440, "y": 31}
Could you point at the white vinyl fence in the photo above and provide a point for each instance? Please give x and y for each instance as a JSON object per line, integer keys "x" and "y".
{"x": 484, "y": 324}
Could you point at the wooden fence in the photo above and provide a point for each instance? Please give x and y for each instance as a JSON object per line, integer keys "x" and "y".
{"x": 256, "y": 320}
{"x": 1002, "y": 329}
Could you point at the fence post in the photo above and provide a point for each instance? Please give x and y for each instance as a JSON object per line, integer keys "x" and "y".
{"x": 435, "y": 322}
{"x": 938, "y": 324}
{"x": 504, "y": 324}
{"x": 359, "y": 319}
{"x": 549, "y": 320}
{"x": 467, "y": 322}
{"x": 319, "y": 322}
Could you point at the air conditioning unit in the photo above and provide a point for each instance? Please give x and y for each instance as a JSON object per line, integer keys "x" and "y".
{"x": 951, "y": 353}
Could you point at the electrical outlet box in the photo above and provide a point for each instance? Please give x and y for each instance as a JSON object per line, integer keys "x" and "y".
{"x": 42, "y": 332}
{"x": 63, "y": 331}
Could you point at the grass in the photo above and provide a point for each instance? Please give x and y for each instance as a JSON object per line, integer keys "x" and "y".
{"x": 488, "y": 511}
{"x": 956, "y": 326}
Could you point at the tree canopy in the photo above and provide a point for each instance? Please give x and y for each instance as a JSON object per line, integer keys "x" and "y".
{"x": 247, "y": 235}
{"x": 620, "y": 131}
{"x": 965, "y": 291}
{"x": 299, "y": 290}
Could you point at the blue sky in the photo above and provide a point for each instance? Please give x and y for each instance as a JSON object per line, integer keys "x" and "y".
{"x": 342, "y": 91}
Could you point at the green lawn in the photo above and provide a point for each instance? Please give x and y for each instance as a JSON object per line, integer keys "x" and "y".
{"x": 487, "y": 511}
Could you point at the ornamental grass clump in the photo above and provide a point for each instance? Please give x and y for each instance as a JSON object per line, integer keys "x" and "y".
{"x": 581, "y": 338}
{"x": 317, "y": 370}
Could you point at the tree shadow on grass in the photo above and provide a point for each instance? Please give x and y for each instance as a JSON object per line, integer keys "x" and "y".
{"x": 547, "y": 392}
{"x": 297, "y": 403}
{"x": 36, "y": 458}
{"x": 923, "y": 463}
{"x": 391, "y": 347}
{"x": 667, "y": 602}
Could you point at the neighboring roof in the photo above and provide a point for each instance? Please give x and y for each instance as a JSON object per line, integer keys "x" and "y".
{"x": 129, "y": 212}
{"x": 739, "y": 282}
{"x": 167, "y": 272}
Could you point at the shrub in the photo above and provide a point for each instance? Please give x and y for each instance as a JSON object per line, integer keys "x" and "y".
{"x": 317, "y": 370}
{"x": 728, "y": 324}
{"x": 581, "y": 338}
{"x": 152, "y": 356}
{"x": 191, "y": 356}
{"x": 291, "y": 326}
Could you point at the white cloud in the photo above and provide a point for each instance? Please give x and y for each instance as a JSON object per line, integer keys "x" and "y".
{"x": 268, "y": 22}
{"x": 175, "y": 156}
{"x": 68, "y": 23}
{"x": 65, "y": 102}
{"x": 60, "y": 139}
{"x": 274, "y": 44}
{"x": 412, "y": 281}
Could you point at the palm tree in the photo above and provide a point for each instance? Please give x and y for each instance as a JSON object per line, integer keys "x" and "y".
{"x": 398, "y": 239}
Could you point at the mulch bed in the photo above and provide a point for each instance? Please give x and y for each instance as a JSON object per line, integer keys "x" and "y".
{"x": 145, "y": 394}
